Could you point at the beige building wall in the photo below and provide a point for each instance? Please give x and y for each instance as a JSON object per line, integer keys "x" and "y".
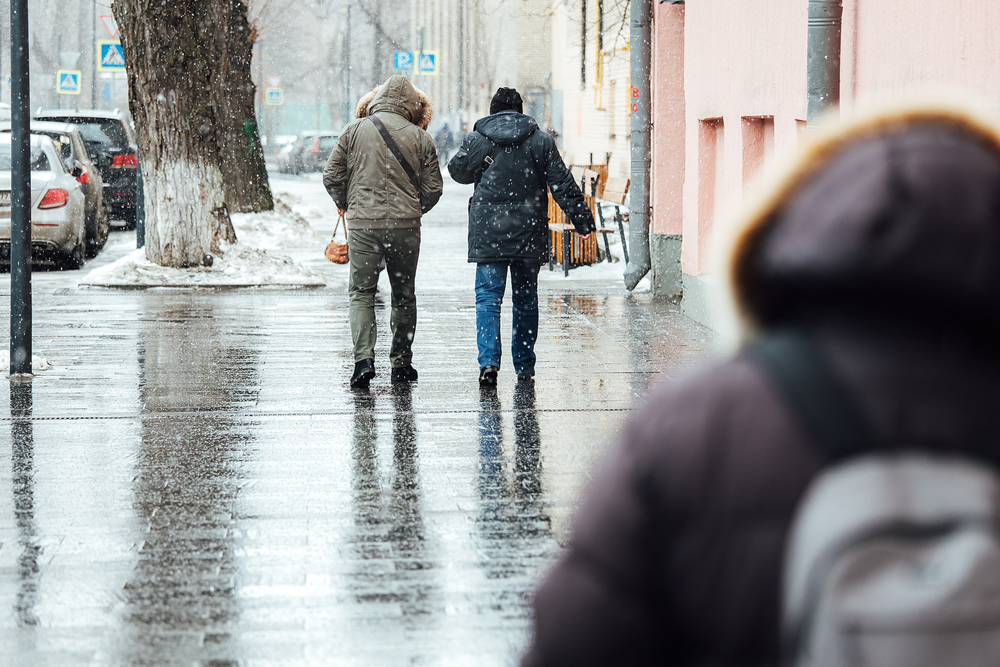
{"x": 745, "y": 89}
{"x": 591, "y": 83}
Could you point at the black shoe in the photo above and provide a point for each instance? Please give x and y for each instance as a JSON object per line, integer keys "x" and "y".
{"x": 488, "y": 376}
{"x": 526, "y": 377}
{"x": 404, "y": 374}
{"x": 364, "y": 371}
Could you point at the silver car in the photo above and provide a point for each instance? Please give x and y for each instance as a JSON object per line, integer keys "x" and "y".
{"x": 58, "y": 231}
{"x": 67, "y": 138}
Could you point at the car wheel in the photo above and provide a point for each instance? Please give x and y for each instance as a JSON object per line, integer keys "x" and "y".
{"x": 128, "y": 215}
{"x": 77, "y": 258}
{"x": 97, "y": 231}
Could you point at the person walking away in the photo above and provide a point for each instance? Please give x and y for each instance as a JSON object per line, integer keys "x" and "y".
{"x": 384, "y": 175}
{"x": 443, "y": 141}
{"x": 878, "y": 250}
{"x": 512, "y": 163}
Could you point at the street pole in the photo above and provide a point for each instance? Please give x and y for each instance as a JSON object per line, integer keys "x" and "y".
{"x": 20, "y": 192}
{"x": 640, "y": 57}
{"x": 93, "y": 56}
{"x": 461, "y": 65}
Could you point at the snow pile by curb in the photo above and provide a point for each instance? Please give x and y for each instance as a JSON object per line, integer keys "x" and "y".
{"x": 37, "y": 363}
{"x": 239, "y": 266}
{"x": 247, "y": 263}
{"x": 275, "y": 230}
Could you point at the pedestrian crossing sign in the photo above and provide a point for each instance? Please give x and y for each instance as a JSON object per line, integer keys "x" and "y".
{"x": 427, "y": 62}
{"x": 110, "y": 57}
{"x": 68, "y": 81}
{"x": 275, "y": 97}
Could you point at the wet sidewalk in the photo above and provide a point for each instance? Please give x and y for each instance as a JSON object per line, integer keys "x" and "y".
{"x": 194, "y": 483}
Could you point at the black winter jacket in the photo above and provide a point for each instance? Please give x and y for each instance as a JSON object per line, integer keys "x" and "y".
{"x": 508, "y": 213}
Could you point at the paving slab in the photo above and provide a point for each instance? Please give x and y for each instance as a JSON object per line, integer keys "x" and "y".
{"x": 194, "y": 483}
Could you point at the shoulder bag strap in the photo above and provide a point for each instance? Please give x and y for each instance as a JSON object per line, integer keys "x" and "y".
{"x": 813, "y": 392}
{"x": 489, "y": 159}
{"x": 394, "y": 149}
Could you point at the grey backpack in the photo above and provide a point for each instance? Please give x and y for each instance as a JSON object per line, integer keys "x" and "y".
{"x": 893, "y": 558}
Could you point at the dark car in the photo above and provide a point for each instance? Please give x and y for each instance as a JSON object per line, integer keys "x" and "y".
{"x": 309, "y": 152}
{"x": 68, "y": 140}
{"x": 111, "y": 143}
{"x": 317, "y": 151}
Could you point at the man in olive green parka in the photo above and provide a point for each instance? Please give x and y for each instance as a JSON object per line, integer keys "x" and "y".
{"x": 383, "y": 210}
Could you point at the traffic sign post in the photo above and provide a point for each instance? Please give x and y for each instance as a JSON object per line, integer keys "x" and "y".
{"x": 68, "y": 81}
{"x": 110, "y": 57}
{"x": 427, "y": 63}
{"x": 402, "y": 61}
{"x": 275, "y": 97}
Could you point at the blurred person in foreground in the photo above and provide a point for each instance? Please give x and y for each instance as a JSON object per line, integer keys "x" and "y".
{"x": 881, "y": 245}
{"x": 384, "y": 195}
{"x": 512, "y": 163}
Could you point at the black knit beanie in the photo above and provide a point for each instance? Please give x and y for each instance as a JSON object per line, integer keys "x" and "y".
{"x": 506, "y": 98}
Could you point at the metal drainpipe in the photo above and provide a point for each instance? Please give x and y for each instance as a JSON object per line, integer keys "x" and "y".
{"x": 640, "y": 39}
{"x": 823, "y": 58}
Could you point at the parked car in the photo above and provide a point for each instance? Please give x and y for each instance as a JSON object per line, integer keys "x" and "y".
{"x": 69, "y": 141}
{"x": 58, "y": 230}
{"x": 316, "y": 154}
{"x": 309, "y": 152}
{"x": 111, "y": 143}
{"x": 286, "y": 163}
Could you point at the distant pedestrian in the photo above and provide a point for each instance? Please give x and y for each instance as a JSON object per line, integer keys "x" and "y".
{"x": 879, "y": 251}
{"x": 444, "y": 141}
{"x": 512, "y": 162}
{"x": 384, "y": 173}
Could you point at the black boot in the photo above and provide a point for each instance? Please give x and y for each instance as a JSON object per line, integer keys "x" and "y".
{"x": 404, "y": 374}
{"x": 488, "y": 376}
{"x": 364, "y": 371}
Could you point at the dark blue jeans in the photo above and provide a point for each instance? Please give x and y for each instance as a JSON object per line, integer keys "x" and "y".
{"x": 491, "y": 281}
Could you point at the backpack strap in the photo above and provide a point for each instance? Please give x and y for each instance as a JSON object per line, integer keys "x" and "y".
{"x": 394, "y": 149}
{"x": 814, "y": 393}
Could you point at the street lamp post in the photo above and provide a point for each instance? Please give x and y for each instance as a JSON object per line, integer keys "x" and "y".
{"x": 20, "y": 192}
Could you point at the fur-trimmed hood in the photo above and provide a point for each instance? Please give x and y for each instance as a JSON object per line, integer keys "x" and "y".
{"x": 399, "y": 96}
{"x": 894, "y": 213}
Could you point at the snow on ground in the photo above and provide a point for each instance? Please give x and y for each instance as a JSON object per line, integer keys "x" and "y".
{"x": 275, "y": 230}
{"x": 239, "y": 266}
{"x": 250, "y": 262}
{"x": 37, "y": 363}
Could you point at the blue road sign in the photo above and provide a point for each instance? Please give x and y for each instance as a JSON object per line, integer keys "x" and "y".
{"x": 68, "y": 81}
{"x": 427, "y": 63}
{"x": 275, "y": 96}
{"x": 110, "y": 56}
{"x": 403, "y": 61}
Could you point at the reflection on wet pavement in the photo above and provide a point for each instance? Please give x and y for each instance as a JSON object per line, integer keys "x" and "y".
{"x": 195, "y": 484}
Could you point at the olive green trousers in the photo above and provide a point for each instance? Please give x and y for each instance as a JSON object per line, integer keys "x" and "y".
{"x": 401, "y": 249}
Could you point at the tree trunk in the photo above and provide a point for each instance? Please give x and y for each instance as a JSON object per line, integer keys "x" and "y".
{"x": 228, "y": 37}
{"x": 182, "y": 71}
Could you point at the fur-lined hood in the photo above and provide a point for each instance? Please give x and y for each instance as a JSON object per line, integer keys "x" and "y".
{"x": 893, "y": 213}
{"x": 399, "y": 96}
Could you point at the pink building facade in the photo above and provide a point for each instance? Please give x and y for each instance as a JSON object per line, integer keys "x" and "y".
{"x": 729, "y": 90}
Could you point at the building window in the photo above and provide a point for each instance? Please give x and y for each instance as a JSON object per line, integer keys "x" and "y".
{"x": 711, "y": 148}
{"x": 612, "y": 116}
{"x": 758, "y": 145}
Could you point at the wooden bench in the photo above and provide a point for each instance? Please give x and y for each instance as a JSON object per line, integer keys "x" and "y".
{"x": 615, "y": 190}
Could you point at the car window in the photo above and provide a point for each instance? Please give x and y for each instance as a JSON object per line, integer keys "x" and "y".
{"x": 62, "y": 143}
{"x": 326, "y": 143}
{"x": 39, "y": 161}
{"x": 106, "y": 131}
